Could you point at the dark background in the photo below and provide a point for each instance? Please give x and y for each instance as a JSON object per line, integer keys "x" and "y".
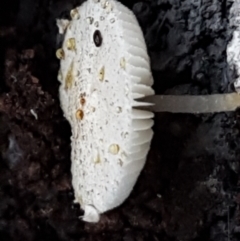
{"x": 189, "y": 188}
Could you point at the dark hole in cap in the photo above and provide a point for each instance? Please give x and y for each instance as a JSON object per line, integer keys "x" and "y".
{"x": 97, "y": 38}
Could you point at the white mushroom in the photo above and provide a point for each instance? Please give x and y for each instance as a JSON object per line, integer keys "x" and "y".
{"x": 104, "y": 69}
{"x": 105, "y": 77}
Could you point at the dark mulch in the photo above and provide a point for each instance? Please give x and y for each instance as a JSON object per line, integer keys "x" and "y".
{"x": 189, "y": 188}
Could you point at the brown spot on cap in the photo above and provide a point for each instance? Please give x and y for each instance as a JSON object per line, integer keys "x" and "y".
{"x": 79, "y": 114}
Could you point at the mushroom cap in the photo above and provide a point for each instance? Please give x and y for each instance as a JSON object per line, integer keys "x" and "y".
{"x": 104, "y": 70}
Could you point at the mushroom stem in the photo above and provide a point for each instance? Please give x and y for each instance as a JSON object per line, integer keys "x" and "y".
{"x": 193, "y": 104}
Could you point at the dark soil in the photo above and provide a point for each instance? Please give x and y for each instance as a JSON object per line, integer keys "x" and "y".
{"x": 190, "y": 186}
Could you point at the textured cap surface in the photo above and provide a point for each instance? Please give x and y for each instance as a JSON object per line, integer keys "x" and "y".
{"x": 104, "y": 70}
{"x": 233, "y": 48}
